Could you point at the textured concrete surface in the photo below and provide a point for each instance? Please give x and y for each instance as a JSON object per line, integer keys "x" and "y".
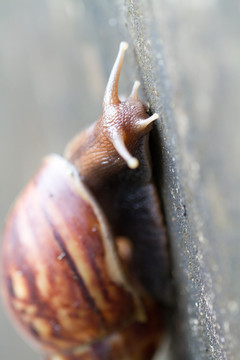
{"x": 55, "y": 57}
{"x": 188, "y": 56}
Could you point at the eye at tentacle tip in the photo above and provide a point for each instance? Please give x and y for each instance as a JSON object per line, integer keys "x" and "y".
{"x": 123, "y": 45}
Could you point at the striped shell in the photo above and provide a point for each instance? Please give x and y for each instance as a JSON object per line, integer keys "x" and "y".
{"x": 138, "y": 341}
{"x": 62, "y": 278}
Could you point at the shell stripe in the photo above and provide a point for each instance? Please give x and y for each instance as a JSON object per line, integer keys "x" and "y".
{"x": 73, "y": 267}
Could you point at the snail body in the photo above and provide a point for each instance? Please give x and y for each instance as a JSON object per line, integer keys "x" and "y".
{"x": 64, "y": 281}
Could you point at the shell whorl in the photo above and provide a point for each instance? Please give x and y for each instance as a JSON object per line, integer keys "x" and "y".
{"x": 64, "y": 285}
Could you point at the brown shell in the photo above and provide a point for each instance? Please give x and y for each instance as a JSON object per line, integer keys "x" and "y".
{"x": 137, "y": 341}
{"x": 62, "y": 279}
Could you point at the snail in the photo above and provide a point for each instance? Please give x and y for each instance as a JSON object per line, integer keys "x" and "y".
{"x": 84, "y": 258}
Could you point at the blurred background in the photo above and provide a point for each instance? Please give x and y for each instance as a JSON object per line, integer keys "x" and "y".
{"x": 55, "y": 58}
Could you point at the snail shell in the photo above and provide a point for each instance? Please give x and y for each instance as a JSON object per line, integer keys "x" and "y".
{"x": 138, "y": 341}
{"x": 65, "y": 283}
{"x": 64, "y": 280}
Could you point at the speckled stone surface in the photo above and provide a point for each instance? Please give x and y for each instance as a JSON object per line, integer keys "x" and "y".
{"x": 188, "y": 57}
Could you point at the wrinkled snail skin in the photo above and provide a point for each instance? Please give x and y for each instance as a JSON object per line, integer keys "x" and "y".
{"x": 66, "y": 283}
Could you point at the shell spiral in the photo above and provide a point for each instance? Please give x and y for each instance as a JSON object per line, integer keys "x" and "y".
{"x": 64, "y": 280}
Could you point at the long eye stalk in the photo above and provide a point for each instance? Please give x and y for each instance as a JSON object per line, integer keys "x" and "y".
{"x": 111, "y": 93}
